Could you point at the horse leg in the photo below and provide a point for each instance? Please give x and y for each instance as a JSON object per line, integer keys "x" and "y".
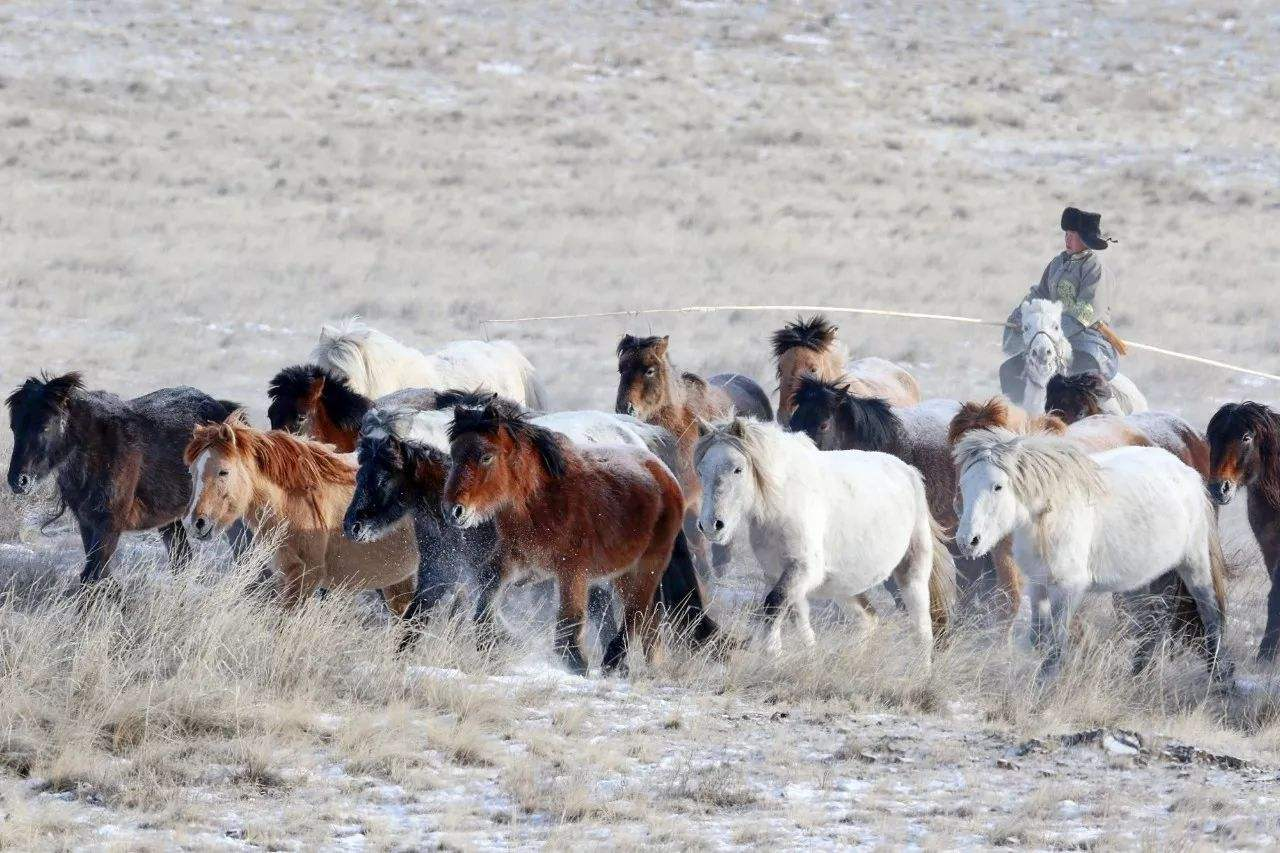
{"x": 792, "y": 584}
{"x": 639, "y": 614}
{"x": 176, "y": 545}
{"x": 1062, "y": 601}
{"x": 100, "y": 538}
{"x": 1196, "y": 573}
{"x": 1039, "y": 616}
{"x": 399, "y": 595}
{"x": 296, "y": 584}
{"x": 1269, "y": 543}
{"x": 570, "y": 623}
{"x": 912, "y": 575}
{"x": 1009, "y": 579}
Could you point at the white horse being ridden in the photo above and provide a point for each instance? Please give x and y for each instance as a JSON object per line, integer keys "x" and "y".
{"x": 375, "y": 364}
{"x": 832, "y": 524}
{"x": 1107, "y": 522}
{"x": 1049, "y": 352}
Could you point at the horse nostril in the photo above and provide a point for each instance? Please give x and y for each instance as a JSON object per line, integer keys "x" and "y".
{"x": 457, "y": 510}
{"x": 201, "y": 523}
{"x": 356, "y": 529}
{"x": 973, "y": 543}
{"x": 701, "y": 529}
{"x": 719, "y": 524}
{"x": 24, "y": 480}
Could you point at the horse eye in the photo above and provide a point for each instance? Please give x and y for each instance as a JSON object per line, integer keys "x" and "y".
{"x": 997, "y": 487}
{"x": 652, "y": 371}
{"x": 486, "y": 460}
{"x": 824, "y": 426}
{"x": 224, "y": 472}
{"x": 737, "y": 470}
{"x": 1246, "y": 438}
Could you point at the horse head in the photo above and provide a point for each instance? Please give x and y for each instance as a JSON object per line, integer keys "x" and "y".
{"x": 646, "y": 377}
{"x": 728, "y": 461}
{"x": 1244, "y": 451}
{"x": 1073, "y": 398}
{"x": 1048, "y": 352}
{"x": 39, "y": 412}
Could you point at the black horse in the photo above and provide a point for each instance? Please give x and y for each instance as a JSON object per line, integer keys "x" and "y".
{"x": 397, "y": 477}
{"x": 118, "y": 462}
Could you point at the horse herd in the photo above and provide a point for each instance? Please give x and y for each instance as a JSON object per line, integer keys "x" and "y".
{"x": 442, "y": 477}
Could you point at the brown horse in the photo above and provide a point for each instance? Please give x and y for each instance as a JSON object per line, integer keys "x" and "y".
{"x": 273, "y": 480}
{"x": 578, "y": 514}
{"x": 1244, "y": 443}
{"x": 653, "y": 390}
{"x": 1095, "y": 434}
{"x": 810, "y": 348}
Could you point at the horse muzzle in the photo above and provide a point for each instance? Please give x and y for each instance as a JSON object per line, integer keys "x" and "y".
{"x": 460, "y": 516}
{"x": 201, "y": 528}
{"x": 22, "y": 484}
{"x": 1221, "y": 491}
{"x": 714, "y": 530}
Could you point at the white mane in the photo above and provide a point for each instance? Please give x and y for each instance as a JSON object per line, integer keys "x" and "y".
{"x": 764, "y": 444}
{"x": 1040, "y": 468}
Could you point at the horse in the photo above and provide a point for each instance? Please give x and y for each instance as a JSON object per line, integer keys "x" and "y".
{"x": 308, "y": 399}
{"x": 831, "y": 524}
{"x": 1112, "y": 521}
{"x": 1095, "y": 434}
{"x": 653, "y": 390}
{"x": 810, "y": 348}
{"x": 1082, "y": 399}
{"x": 389, "y": 485}
{"x": 275, "y": 481}
{"x": 118, "y": 462}
{"x": 578, "y": 514}
{"x": 1049, "y": 353}
{"x": 1244, "y": 453}
{"x": 375, "y": 364}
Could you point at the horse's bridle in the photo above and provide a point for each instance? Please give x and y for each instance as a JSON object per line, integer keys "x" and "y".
{"x": 1053, "y": 343}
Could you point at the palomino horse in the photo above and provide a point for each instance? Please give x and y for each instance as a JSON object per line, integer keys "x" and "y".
{"x": 1094, "y": 435}
{"x": 810, "y": 348}
{"x": 375, "y": 364}
{"x": 1244, "y": 443}
{"x": 578, "y": 514}
{"x": 1049, "y": 353}
{"x": 275, "y": 480}
{"x": 652, "y": 389}
{"x": 827, "y": 524}
{"x": 398, "y": 476}
{"x": 118, "y": 462}
{"x": 1111, "y": 522}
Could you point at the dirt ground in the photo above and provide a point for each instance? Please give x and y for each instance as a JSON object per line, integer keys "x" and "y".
{"x": 187, "y": 191}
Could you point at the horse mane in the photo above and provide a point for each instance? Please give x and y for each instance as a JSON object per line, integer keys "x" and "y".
{"x": 989, "y": 414}
{"x": 875, "y": 425}
{"x": 477, "y": 398}
{"x": 632, "y": 344}
{"x": 493, "y": 418}
{"x": 292, "y": 463}
{"x": 1235, "y": 418}
{"x": 1040, "y": 467}
{"x": 755, "y": 440}
{"x": 51, "y": 393}
{"x": 343, "y": 349}
{"x": 817, "y": 334}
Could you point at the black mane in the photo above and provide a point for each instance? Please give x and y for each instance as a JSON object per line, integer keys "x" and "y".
{"x": 815, "y": 334}
{"x": 48, "y": 393}
{"x": 477, "y": 398}
{"x": 632, "y": 344}
{"x": 344, "y": 407}
{"x": 872, "y": 423}
{"x": 1091, "y": 383}
{"x": 1235, "y": 419}
{"x": 490, "y": 419}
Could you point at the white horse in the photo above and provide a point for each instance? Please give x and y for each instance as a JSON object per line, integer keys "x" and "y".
{"x": 1107, "y": 522}
{"x": 375, "y": 364}
{"x": 1049, "y": 352}
{"x": 832, "y": 524}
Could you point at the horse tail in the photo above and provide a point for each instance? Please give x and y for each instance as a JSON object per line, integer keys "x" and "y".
{"x": 679, "y": 595}
{"x": 942, "y": 579}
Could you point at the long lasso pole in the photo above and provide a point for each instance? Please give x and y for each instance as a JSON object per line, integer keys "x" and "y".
{"x": 875, "y": 312}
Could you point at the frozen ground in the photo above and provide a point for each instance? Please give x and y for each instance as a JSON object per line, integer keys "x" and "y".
{"x": 188, "y": 190}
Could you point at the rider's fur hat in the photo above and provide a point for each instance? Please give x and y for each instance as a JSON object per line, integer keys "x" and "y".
{"x": 1087, "y": 225}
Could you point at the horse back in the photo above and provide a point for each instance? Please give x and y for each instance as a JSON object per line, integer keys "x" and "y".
{"x": 878, "y": 377}
{"x": 1176, "y": 436}
{"x": 745, "y": 395}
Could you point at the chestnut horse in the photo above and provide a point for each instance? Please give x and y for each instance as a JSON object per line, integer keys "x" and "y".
{"x": 308, "y": 399}
{"x": 273, "y": 480}
{"x": 578, "y": 514}
{"x": 1095, "y": 434}
{"x": 653, "y": 390}
{"x": 810, "y": 348}
{"x": 1244, "y": 445}
{"x": 118, "y": 462}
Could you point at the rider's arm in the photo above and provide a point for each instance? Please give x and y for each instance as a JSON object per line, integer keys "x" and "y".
{"x": 1090, "y": 305}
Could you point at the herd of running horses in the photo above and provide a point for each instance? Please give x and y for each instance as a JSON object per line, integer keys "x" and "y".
{"x": 440, "y": 478}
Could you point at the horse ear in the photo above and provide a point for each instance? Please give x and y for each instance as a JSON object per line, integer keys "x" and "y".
{"x": 238, "y": 417}
{"x": 704, "y": 428}
{"x": 329, "y": 333}
{"x": 226, "y": 433}
{"x": 660, "y": 348}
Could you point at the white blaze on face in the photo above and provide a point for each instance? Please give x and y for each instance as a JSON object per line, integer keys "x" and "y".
{"x": 197, "y": 486}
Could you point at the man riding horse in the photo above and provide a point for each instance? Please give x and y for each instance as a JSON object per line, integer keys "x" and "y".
{"x": 1077, "y": 279}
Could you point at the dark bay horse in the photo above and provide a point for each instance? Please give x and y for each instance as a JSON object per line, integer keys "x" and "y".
{"x": 578, "y": 514}
{"x": 118, "y": 462}
{"x": 1244, "y": 453}
{"x": 310, "y": 400}
{"x": 653, "y": 390}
